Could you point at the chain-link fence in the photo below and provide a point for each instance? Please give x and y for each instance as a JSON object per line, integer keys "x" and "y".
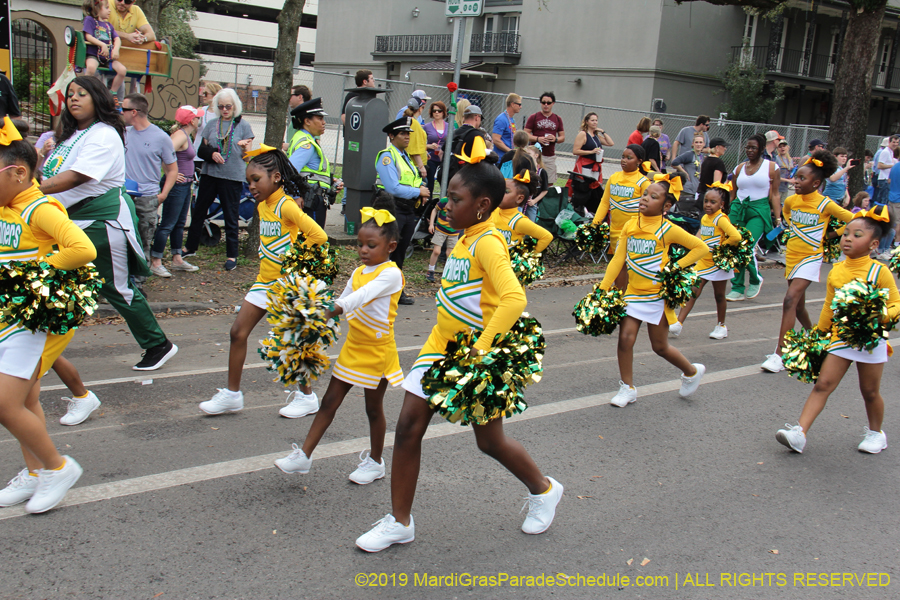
{"x": 252, "y": 83}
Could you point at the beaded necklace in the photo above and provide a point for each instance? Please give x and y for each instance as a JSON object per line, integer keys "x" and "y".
{"x": 60, "y": 154}
{"x": 226, "y": 140}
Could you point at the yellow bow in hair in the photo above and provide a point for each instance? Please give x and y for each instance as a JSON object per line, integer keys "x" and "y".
{"x": 878, "y": 216}
{"x": 8, "y": 133}
{"x": 479, "y": 152}
{"x": 675, "y": 185}
{"x": 524, "y": 177}
{"x": 380, "y": 215}
{"x": 261, "y": 150}
{"x": 727, "y": 186}
{"x": 647, "y": 165}
{"x": 815, "y": 161}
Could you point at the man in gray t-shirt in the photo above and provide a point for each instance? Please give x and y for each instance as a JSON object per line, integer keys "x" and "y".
{"x": 148, "y": 151}
{"x": 685, "y": 137}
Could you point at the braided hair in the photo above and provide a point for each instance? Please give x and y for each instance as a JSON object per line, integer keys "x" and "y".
{"x": 724, "y": 195}
{"x": 670, "y": 197}
{"x": 759, "y": 139}
{"x": 829, "y": 164}
{"x": 384, "y": 201}
{"x": 275, "y": 160}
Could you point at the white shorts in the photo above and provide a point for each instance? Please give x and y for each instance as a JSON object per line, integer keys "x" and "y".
{"x": 258, "y": 298}
{"x": 413, "y": 381}
{"x": 649, "y": 312}
{"x": 718, "y": 275}
{"x": 809, "y": 271}
{"x": 21, "y": 351}
{"x": 876, "y": 356}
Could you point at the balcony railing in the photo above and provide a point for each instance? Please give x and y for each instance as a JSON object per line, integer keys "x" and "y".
{"x": 442, "y": 43}
{"x": 815, "y": 66}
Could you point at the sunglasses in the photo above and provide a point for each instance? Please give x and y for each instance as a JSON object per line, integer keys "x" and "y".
{"x": 127, "y": 108}
{"x": 129, "y": 2}
{"x": 542, "y": 102}
{"x": 436, "y": 110}
{"x": 517, "y": 103}
{"x": 226, "y": 106}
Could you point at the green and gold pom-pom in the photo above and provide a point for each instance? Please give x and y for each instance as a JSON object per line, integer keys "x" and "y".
{"x": 894, "y": 264}
{"x": 41, "y": 297}
{"x": 677, "y": 284}
{"x": 316, "y": 261}
{"x": 831, "y": 247}
{"x": 677, "y": 252}
{"x": 591, "y": 238}
{"x": 527, "y": 264}
{"x": 803, "y": 352}
{"x": 295, "y": 346}
{"x": 785, "y": 236}
{"x": 735, "y": 256}
{"x": 860, "y": 315}
{"x": 467, "y": 386}
{"x": 600, "y": 312}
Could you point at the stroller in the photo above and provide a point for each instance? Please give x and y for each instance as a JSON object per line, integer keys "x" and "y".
{"x": 421, "y": 236}
{"x": 215, "y": 220}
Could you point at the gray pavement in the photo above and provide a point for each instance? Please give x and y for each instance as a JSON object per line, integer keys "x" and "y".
{"x": 175, "y": 504}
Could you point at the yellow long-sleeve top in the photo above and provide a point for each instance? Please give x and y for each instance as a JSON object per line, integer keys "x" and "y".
{"x": 280, "y": 218}
{"x": 644, "y": 249}
{"x": 843, "y": 273}
{"x": 513, "y": 226}
{"x": 715, "y": 229}
{"x": 808, "y": 216}
{"x": 478, "y": 287}
{"x": 621, "y": 196}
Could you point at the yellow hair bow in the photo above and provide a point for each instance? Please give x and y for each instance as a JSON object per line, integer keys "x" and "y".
{"x": 675, "y": 185}
{"x": 815, "y": 161}
{"x": 878, "y": 216}
{"x": 727, "y": 186}
{"x": 647, "y": 165}
{"x": 261, "y": 150}
{"x": 380, "y": 215}
{"x": 479, "y": 152}
{"x": 524, "y": 176}
{"x": 8, "y": 133}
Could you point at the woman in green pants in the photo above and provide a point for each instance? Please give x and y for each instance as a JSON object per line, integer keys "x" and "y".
{"x": 754, "y": 199}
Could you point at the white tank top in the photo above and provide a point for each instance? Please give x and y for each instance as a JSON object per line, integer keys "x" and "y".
{"x": 756, "y": 186}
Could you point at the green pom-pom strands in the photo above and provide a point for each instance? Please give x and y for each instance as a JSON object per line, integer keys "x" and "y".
{"x": 527, "y": 264}
{"x": 318, "y": 261}
{"x": 735, "y": 256}
{"x": 677, "y": 284}
{"x": 803, "y": 352}
{"x": 894, "y": 263}
{"x": 295, "y": 346}
{"x": 831, "y": 247}
{"x": 591, "y": 238}
{"x": 600, "y": 312}
{"x": 477, "y": 387}
{"x": 860, "y": 315}
{"x": 43, "y": 298}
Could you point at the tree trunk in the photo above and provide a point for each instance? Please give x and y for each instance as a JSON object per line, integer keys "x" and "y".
{"x": 152, "y": 10}
{"x": 277, "y": 103}
{"x": 853, "y": 86}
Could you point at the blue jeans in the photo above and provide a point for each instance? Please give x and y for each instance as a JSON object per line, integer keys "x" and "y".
{"x": 531, "y": 212}
{"x": 174, "y": 214}
{"x": 882, "y": 187}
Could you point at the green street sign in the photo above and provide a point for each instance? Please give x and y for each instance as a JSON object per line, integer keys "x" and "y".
{"x": 353, "y": 146}
{"x": 464, "y": 8}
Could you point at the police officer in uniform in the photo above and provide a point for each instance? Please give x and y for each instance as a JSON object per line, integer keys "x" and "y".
{"x": 398, "y": 176}
{"x": 308, "y": 158}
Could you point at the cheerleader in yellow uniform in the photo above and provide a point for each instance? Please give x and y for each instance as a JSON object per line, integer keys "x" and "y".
{"x": 478, "y": 290}
{"x": 643, "y": 250}
{"x": 715, "y": 229}
{"x": 272, "y": 180}
{"x": 510, "y": 222}
{"x": 860, "y": 238}
{"x": 30, "y": 225}
{"x": 621, "y": 197}
{"x": 807, "y": 212}
{"x": 369, "y": 356}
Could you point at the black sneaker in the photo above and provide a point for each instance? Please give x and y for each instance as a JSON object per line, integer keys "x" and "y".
{"x": 230, "y": 264}
{"x": 154, "y": 358}
{"x": 429, "y": 276}
{"x": 405, "y": 300}
{"x": 188, "y": 253}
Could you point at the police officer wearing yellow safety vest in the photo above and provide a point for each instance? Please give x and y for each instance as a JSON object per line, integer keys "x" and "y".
{"x": 398, "y": 176}
{"x": 308, "y": 158}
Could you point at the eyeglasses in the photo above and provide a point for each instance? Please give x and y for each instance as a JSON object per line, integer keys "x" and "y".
{"x": 204, "y": 94}
{"x": 296, "y": 94}
{"x": 545, "y": 102}
{"x": 517, "y": 103}
{"x": 226, "y": 106}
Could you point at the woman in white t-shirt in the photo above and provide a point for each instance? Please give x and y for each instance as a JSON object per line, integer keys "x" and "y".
{"x": 86, "y": 173}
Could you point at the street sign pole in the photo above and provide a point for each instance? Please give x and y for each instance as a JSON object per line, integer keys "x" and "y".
{"x": 459, "y": 36}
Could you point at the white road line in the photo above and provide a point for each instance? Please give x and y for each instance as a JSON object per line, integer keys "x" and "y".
{"x": 224, "y": 369}
{"x": 192, "y": 475}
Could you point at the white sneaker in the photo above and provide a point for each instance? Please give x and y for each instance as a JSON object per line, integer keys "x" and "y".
{"x": 160, "y": 271}
{"x": 300, "y": 405}
{"x": 385, "y": 534}
{"x": 542, "y": 508}
{"x": 184, "y": 266}
{"x": 79, "y": 409}
{"x": 224, "y": 401}
{"x": 295, "y": 462}
{"x": 792, "y": 437}
{"x": 719, "y": 332}
{"x": 53, "y": 485}
{"x": 689, "y": 385}
{"x": 773, "y": 364}
{"x": 368, "y": 470}
{"x": 19, "y": 489}
{"x": 627, "y": 394}
{"x": 675, "y": 329}
{"x": 873, "y": 442}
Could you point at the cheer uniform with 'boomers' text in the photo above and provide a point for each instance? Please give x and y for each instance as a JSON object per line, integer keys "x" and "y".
{"x": 714, "y": 230}
{"x": 514, "y": 226}
{"x": 621, "y": 196}
{"x": 808, "y": 216}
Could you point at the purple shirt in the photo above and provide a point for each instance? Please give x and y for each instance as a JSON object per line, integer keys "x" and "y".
{"x": 435, "y": 137}
{"x": 101, "y": 30}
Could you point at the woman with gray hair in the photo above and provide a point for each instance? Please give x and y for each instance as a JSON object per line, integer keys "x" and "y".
{"x": 225, "y": 140}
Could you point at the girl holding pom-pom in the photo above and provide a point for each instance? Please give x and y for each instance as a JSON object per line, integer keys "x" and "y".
{"x": 478, "y": 290}
{"x": 511, "y": 223}
{"x": 369, "y": 356}
{"x": 861, "y": 237}
{"x": 32, "y": 224}
{"x": 807, "y": 214}
{"x": 715, "y": 229}
{"x": 643, "y": 250}
{"x": 273, "y": 181}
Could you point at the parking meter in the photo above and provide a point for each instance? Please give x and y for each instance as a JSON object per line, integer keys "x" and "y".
{"x": 364, "y": 118}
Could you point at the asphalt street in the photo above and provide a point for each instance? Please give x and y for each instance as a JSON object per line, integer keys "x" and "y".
{"x": 666, "y": 498}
